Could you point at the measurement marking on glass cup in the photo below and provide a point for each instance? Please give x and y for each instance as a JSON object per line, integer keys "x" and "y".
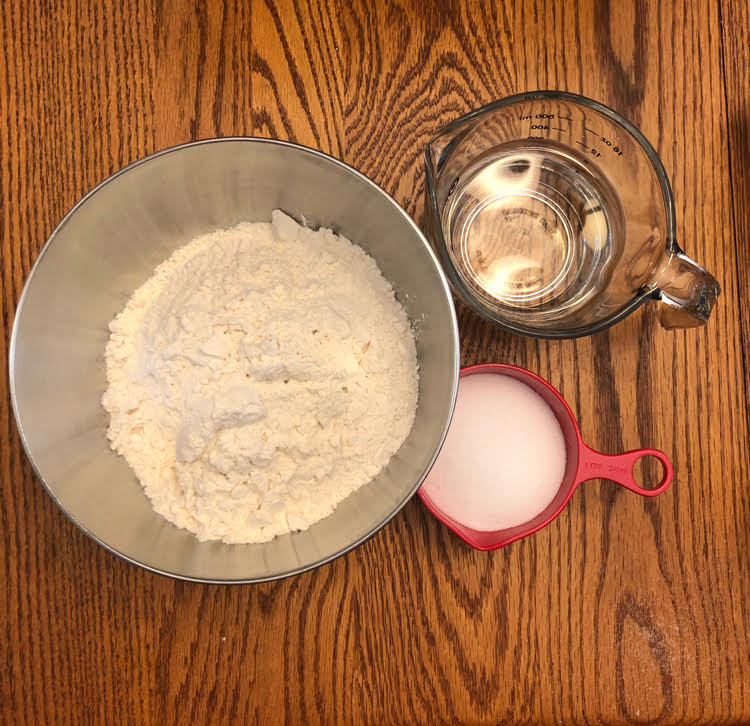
{"x": 607, "y": 142}
{"x": 529, "y": 116}
{"x": 594, "y": 152}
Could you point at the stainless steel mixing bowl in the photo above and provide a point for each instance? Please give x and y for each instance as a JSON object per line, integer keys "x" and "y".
{"x": 109, "y": 244}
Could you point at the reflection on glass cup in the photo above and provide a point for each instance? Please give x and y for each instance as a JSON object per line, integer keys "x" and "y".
{"x": 553, "y": 217}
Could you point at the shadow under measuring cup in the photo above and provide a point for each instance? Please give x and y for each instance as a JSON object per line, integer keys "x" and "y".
{"x": 581, "y": 463}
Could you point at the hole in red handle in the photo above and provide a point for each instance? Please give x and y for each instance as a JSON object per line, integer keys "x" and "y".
{"x": 649, "y": 472}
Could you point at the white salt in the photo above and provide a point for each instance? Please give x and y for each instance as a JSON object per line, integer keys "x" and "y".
{"x": 504, "y": 457}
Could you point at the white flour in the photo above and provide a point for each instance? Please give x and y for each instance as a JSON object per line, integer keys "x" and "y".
{"x": 261, "y": 375}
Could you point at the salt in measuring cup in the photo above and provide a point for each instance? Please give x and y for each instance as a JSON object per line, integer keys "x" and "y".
{"x": 582, "y": 463}
{"x": 553, "y": 217}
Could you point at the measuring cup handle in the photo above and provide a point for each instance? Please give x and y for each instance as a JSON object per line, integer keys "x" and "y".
{"x": 619, "y": 468}
{"x": 687, "y": 292}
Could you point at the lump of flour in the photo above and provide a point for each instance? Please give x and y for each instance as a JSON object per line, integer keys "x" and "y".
{"x": 260, "y": 376}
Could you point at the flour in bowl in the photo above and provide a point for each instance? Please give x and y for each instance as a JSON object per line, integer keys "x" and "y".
{"x": 260, "y": 376}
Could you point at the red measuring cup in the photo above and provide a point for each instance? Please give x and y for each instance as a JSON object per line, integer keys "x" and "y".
{"x": 583, "y": 463}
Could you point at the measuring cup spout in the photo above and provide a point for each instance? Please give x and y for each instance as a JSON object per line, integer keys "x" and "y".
{"x": 687, "y": 291}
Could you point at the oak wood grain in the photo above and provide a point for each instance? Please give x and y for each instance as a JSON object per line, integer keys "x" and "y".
{"x": 622, "y": 610}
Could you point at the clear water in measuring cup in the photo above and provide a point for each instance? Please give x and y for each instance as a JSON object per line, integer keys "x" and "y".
{"x": 532, "y": 227}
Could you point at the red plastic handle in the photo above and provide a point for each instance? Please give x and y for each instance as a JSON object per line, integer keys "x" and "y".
{"x": 619, "y": 468}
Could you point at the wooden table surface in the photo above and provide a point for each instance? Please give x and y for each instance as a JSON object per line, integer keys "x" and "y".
{"x": 623, "y": 610}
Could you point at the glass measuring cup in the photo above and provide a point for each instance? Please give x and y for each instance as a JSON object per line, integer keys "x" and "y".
{"x": 553, "y": 217}
{"x": 582, "y": 463}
